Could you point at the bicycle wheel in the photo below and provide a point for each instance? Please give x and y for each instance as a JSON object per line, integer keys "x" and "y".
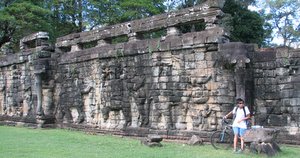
{"x": 221, "y": 140}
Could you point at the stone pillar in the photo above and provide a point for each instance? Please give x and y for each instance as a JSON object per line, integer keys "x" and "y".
{"x": 133, "y": 37}
{"x": 75, "y": 48}
{"x": 102, "y": 42}
{"x": 210, "y": 22}
{"x": 173, "y": 31}
{"x": 47, "y": 101}
{"x": 237, "y": 55}
{"x": 240, "y": 82}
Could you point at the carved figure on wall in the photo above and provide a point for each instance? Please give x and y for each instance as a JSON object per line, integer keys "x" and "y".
{"x": 208, "y": 119}
{"x": 27, "y": 94}
{"x": 38, "y": 90}
{"x": 204, "y": 117}
{"x": 126, "y": 106}
{"x": 164, "y": 109}
{"x": 178, "y": 114}
{"x": 105, "y": 73}
{"x": 70, "y": 97}
{"x": 12, "y": 92}
{"x": 114, "y": 97}
{"x": 213, "y": 122}
{"x": 89, "y": 90}
{"x": 196, "y": 120}
{"x": 2, "y": 94}
{"x": 184, "y": 110}
{"x": 48, "y": 98}
{"x": 162, "y": 116}
{"x": 12, "y": 104}
{"x": 64, "y": 109}
{"x": 140, "y": 96}
{"x": 27, "y": 103}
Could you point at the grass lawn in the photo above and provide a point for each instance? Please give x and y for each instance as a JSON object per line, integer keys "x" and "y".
{"x": 57, "y": 143}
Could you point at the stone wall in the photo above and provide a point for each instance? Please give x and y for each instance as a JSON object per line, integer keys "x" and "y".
{"x": 27, "y": 82}
{"x": 277, "y": 91}
{"x": 163, "y": 89}
{"x": 176, "y": 85}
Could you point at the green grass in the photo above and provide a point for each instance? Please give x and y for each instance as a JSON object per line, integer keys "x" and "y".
{"x": 57, "y": 143}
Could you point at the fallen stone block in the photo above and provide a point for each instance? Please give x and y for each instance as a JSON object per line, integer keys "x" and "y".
{"x": 150, "y": 144}
{"x": 154, "y": 138}
{"x": 270, "y": 149}
{"x": 260, "y": 135}
{"x": 195, "y": 140}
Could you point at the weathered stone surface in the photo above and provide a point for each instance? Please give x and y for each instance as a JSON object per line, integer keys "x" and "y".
{"x": 263, "y": 140}
{"x": 208, "y": 11}
{"x": 266, "y": 135}
{"x": 270, "y": 149}
{"x": 151, "y": 144}
{"x": 177, "y": 85}
{"x": 152, "y": 140}
{"x": 195, "y": 140}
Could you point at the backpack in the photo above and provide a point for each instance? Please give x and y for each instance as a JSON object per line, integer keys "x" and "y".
{"x": 248, "y": 123}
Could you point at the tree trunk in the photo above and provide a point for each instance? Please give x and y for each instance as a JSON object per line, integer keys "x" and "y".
{"x": 80, "y": 16}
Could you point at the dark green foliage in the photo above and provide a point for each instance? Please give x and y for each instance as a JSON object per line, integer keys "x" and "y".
{"x": 60, "y": 17}
{"x": 137, "y": 9}
{"x": 244, "y": 25}
{"x": 19, "y": 18}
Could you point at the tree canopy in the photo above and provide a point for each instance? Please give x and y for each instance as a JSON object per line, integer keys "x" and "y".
{"x": 244, "y": 25}
{"x": 60, "y": 17}
{"x": 282, "y": 15}
{"x": 17, "y": 18}
{"x": 237, "y": 20}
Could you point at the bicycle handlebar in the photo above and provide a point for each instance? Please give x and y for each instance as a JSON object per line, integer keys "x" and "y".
{"x": 225, "y": 121}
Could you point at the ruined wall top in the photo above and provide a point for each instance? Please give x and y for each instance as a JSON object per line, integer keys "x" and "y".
{"x": 33, "y": 43}
{"x": 207, "y": 12}
{"x": 33, "y": 40}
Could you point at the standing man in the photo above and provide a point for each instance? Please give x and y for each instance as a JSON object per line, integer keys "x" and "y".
{"x": 240, "y": 114}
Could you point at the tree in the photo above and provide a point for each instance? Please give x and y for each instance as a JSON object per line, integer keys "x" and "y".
{"x": 236, "y": 21}
{"x": 68, "y": 12}
{"x": 137, "y": 9}
{"x": 282, "y": 15}
{"x": 105, "y": 12}
{"x": 19, "y": 18}
{"x": 108, "y": 12}
{"x": 244, "y": 25}
{"x": 245, "y": 3}
{"x": 60, "y": 17}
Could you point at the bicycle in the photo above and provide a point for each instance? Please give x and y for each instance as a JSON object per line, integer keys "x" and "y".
{"x": 222, "y": 139}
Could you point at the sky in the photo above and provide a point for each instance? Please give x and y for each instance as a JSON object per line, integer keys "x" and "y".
{"x": 277, "y": 40}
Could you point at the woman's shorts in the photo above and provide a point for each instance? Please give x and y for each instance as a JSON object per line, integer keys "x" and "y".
{"x": 239, "y": 131}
